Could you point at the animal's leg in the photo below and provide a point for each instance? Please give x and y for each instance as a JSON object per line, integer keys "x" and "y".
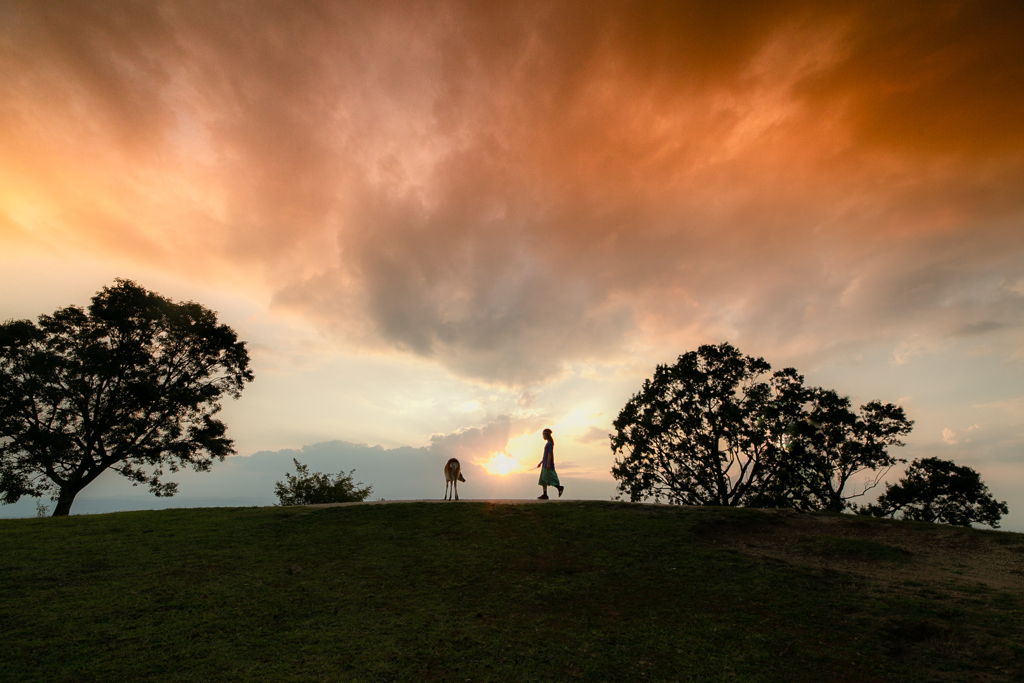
{"x": 446, "y": 484}
{"x": 455, "y": 487}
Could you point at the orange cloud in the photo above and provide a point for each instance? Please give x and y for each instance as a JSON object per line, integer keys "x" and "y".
{"x": 508, "y": 187}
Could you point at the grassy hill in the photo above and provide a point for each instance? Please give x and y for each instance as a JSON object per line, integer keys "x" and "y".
{"x": 561, "y": 591}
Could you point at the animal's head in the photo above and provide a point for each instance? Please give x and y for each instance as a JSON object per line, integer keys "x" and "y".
{"x": 461, "y": 478}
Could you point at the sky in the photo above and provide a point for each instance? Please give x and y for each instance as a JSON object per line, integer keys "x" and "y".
{"x": 441, "y": 227}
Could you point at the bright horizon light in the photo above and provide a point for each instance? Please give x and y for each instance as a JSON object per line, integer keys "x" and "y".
{"x": 501, "y": 464}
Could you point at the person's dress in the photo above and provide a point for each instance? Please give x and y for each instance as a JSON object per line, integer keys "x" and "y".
{"x": 548, "y": 476}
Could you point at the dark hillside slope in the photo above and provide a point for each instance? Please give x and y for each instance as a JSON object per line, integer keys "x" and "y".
{"x": 492, "y": 592}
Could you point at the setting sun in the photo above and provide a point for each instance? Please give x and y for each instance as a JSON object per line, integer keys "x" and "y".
{"x": 501, "y": 463}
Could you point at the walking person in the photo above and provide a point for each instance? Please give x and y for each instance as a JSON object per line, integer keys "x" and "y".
{"x": 548, "y": 476}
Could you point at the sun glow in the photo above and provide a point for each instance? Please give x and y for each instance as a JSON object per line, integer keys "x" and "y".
{"x": 501, "y": 463}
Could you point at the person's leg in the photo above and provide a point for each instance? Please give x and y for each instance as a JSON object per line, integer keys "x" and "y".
{"x": 545, "y": 494}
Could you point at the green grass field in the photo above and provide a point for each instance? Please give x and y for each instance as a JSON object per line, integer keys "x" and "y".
{"x": 486, "y": 592}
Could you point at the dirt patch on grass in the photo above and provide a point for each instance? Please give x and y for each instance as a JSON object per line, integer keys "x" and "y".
{"x": 883, "y": 550}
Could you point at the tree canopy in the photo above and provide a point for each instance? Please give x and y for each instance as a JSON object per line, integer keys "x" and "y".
{"x": 717, "y": 429}
{"x": 303, "y": 488}
{"x": 827, "y": 445}
{"x": 935, "y": 490}
{"x": 690, "y": 435}
{"x": 133, "y": 385}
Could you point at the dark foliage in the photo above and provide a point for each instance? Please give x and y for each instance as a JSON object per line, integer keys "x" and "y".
{"x": 132, "y": 385}
{"x": 827, "y": 445}
{"x": 696, "y": 432}
{"x": 304, "y": 488}
{"x": 717, "y": 429}
{"x": 935, "y": 490}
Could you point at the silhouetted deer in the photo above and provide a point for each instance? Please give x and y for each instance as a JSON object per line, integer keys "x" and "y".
{"x": 452, "y": 475}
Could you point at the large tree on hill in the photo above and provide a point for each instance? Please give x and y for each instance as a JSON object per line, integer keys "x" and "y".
{"x": 716, "y": 429}
{"x": 705, "y": 431}
{"x": 935, "y": 490}
{"x": 131, "y": 385}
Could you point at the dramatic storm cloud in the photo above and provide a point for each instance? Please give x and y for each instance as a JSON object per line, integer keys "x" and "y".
{"x": 517, "y": 194}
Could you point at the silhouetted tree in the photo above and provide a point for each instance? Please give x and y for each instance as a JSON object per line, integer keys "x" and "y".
{"x": 715, "y": 429}
{"x": 134, "y": 382}
{"x": 304, "y": 488}
{"x": 705, "y": 431}
{"x": 935, "y": 490}
{"x": 828, "y": 446}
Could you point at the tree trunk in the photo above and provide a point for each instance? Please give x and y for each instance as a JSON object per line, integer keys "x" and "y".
{"x": 67, "y": 497}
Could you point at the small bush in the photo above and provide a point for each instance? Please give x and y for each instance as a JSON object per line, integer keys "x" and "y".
{"x": 304, "y": 488}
